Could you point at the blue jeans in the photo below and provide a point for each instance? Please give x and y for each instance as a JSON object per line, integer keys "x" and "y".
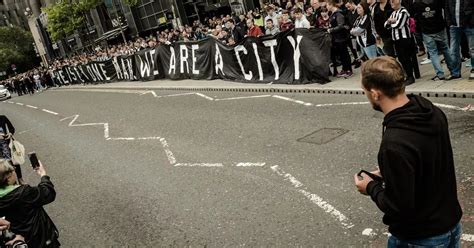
{"x": 370, "y": 51}
{"x": 455, "y": 33}
{"x": 451, "y": 239}
{"x": 436, "y": 41}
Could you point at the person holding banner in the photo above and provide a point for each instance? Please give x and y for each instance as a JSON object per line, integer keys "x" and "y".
{"x": 340, "y": 37}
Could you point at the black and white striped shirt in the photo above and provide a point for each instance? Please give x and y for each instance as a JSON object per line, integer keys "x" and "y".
{"x": 363, "y": 31}
{"x": 401, "y": 28}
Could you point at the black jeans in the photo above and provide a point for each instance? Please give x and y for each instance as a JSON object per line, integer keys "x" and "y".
{"x": 341, "y": 49}
{"x": 388, "y": 47}
{"x": 406, "y": 52}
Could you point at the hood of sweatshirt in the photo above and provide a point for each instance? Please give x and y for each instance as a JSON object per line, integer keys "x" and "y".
{"x": 417, "y": 115}
{"x": 9, "y": 195}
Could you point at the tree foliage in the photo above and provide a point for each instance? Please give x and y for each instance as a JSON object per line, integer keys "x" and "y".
{"x": 16, "y": 47}
{"x": 131, "y": 2}
{"x": 65, "y": 17}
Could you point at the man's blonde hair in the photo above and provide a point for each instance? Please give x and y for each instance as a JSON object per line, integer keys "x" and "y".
{"x": 5, "y": 169}
{"x": 384, "y": 74}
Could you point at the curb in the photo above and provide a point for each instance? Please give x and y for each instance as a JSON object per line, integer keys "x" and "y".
{"x": 427, "y": 93}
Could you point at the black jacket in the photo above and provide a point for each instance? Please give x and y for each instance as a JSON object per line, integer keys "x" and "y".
{"x": 466, "y": 16}
{"x": 429, "y": 15}
{"x": 23, "y": 208}
{"x": 338, "y": 28}
{"x": 418, "y": 195}
{"x": 4, "y": 122}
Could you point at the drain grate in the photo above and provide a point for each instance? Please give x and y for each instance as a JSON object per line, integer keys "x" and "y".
{"x": 323, "y": 136}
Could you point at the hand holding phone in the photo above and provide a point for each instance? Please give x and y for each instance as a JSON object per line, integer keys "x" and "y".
{"x": 33, "y": 160}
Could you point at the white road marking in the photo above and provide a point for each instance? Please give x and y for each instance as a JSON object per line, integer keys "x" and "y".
{"x": 19, "y": 103}
{"x": 149, "y": 138}
{"x": 199, "y": 165}
{"x": 122, "y": 138}
{"x": 467, "y": 237}
{"x": 49, "y": 111}
{"x": 250, "y": 164}
{"x": 149, "y": 92}
{"x": 74, "y": 118}
{"x": 33, "y": 107}
{"x": 181, "y": 94}
{"x": 447, "y": 106}
{"x": 10, "y": 102}
{"x": 339, "y": 104}
{"x": 242, "y": 97}
{"x": 369, "y": 232}
{"x": 168, "y": 152}
{"x": 202, "y": 95}
{"x": 292, "y": 100}
{"x": 324, "y": 205}
{"x": 25, "y": 131}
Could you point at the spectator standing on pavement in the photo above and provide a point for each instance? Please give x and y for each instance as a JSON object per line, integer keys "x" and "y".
{"x": 323, "y": 19}
{"x": 460, "y": 19}
{"x": 235, "y": 31}
{"x": 270, "y": 29}
{"x": 23, "y": 205}
{"x": 300, "y": 19}
{"x": 380, "y": 13}
{"x": 351, "y": 17}
{"x": 286, "y": 24}
{"x": 429, "y": 17}
{"x": 363, "y": 31}
{"x": 272, "y": 16}
{"x": 340, "y": 38}
{"x": 401, "y": 35}
{"x": 414, "y": 187}
{"x": 253, "y": 30}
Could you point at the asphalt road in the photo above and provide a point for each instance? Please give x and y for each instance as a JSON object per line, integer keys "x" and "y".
{"x": 188, "y": 170}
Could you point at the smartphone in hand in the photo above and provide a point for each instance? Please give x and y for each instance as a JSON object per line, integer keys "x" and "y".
{"x": 33, "y": 160}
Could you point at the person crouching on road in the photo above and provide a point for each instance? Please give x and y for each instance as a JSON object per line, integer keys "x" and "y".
{"x": 415, "y": 186}
{"x": 23, "y": 205}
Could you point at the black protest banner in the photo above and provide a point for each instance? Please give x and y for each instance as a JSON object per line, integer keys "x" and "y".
{"x": 293, "y": 57}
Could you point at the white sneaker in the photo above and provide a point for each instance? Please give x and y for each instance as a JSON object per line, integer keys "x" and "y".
{"x": 468, "y": 63}
{"x": 425, "y": 61}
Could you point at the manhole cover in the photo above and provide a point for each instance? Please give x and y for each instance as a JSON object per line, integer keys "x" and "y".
{"x": 323, "y": 135}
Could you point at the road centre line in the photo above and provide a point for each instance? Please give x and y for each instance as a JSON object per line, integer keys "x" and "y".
{"x": 33, "y": 107}
{"x": 49, "y": 111}
{"x": 324, "y": 205}
{"x": 198, "y": 165}
{"x": 250, "y": 164}
{"x": 19, "y": 103}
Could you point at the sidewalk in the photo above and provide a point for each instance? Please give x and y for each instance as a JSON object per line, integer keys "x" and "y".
{"x": 423, "y": 86}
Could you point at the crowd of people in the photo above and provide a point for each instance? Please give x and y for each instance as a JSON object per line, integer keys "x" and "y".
{"x": 23, "y": 222}
{"x": 359, "y": 30}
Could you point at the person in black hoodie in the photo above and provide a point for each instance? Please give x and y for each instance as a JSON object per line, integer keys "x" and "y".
{"x": 415, "y": 186}
{"x": 22, "y": 206}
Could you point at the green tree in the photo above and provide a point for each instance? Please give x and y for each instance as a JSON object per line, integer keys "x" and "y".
{"x": 66, "y": 17}
{"x": 16, "y": 47}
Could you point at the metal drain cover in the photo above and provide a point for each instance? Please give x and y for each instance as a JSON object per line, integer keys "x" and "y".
{"x": 323, "y": 135}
